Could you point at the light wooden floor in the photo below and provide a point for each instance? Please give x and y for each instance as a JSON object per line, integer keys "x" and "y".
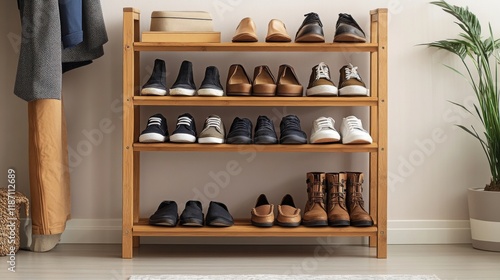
{"x": 69, "y": 261}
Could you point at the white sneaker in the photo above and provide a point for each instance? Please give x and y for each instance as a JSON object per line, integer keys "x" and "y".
{"x": 353, "y": 133}
{"x": 323, "y": 131}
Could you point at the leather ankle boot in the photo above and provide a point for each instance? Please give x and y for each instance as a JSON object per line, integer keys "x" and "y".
{"x": 315, "y": 210}
{"x": 359, "y": 216}
{"x": 337, "y": 210}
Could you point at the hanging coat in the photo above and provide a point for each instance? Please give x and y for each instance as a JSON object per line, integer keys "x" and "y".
{"x": 57, "y": 36}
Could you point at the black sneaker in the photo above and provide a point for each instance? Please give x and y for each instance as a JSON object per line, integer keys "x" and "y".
{"x": 348, "y": 30}
{"x": 156, "y": 131}
{"x": 291, "y": 133}
{"x": 264, "y": 131}
{"x": 165, "y": 215}
{"x": 240, "y": 132}
{"x": 218, "y": 215}
{"x": 185, "y": 132}
{"x": 211, "y": 85}
{"x": 157, "y": 83}
{"x": 184, "y": 85}
{"x": 192, "y": 215}
{"x": 311, "y": 30}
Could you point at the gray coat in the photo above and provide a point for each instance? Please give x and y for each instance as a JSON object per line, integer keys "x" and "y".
{"x": 43, "y": 59}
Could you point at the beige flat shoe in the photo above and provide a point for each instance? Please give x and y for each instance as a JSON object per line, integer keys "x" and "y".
{"x": 238, "y": 83}
{"x": 276, "y": 32}
{"x": 246, "y": 31}
{"x": 288, "y": 83}
{"x": 263, "y": 82}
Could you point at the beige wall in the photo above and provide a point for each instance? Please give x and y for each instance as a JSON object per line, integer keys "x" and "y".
{"x": 431, "y": 162}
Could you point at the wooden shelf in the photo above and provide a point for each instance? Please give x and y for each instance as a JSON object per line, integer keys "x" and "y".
{"x": 306, "y": 148}
{"x": 253, "y": 101}
{"x": 245, "y": 229}
{"x": 256, "y": 47}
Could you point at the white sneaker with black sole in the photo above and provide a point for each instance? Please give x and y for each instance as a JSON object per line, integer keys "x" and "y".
{"x": 185, "y": 131}
{"x": 353, "y": 132}
{"x": 323, "y": 131}
{"x": 156, "y": 131}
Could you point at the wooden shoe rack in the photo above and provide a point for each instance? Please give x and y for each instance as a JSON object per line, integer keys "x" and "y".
{"x": 135, "y": 226}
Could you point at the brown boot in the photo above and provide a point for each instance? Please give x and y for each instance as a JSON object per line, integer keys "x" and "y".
{"x": 337, "y": 210}
{"x": 315, "y": 210}
{"x": 359, "y": 216}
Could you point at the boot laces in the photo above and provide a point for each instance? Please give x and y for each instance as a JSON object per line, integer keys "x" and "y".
{"x": 351, "y": 72}
{"x": 322, "y": 71}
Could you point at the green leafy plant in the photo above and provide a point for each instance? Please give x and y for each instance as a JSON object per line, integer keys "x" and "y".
{"x": 480, "y": 58}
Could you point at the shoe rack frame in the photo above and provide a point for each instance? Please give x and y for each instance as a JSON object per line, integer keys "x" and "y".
{"x": 133, "y": 226}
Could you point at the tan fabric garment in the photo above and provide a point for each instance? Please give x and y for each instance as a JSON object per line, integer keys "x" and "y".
{"x": 48, "y": 167}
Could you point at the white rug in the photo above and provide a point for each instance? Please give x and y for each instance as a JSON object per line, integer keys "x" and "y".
{"x": 284, "y": 277}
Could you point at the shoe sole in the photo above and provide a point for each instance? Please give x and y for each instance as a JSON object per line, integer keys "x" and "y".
{"x": 210, "y": 140}
{"x": 182, "y": 138}
{"x": 245, "y": 37}
{"x": 239, "y": 140}
{"x": 191, "y": 223}
{"x": 219, "y": 223}
{"x": 152, "y": 138}
{"x": 163, "y": 222}
{"x": 293, "y": 139}
{"x": 262, "y": 224}
{"x": 341, "y": 223}
{"x": 315, "y": 223}
{"x": 365, "y": 139}
{"x": 325, "y": 137}
{"x": 288, "y": 224}
{"x": 277, "y": 37}
{"x": 353, "y": 91}
{"x": 361, "y": 223}
{"x": 323, "y": 90}
{"x": 210, "y": 92}
{"x": 153, "y": 91}
{"x": 347, "y": 37}
{"x": 265, "y": 140}
{"x": 310, "y": 38}
{"x": 182, "y": 92}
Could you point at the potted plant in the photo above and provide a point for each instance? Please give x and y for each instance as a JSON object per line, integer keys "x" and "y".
{"x": 480, "y": 57}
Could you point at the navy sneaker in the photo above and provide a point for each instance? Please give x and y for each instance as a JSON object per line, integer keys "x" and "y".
{"x": 157, "y": 83}
{"x": 240, "y": 132}
{"x": 184, "y": 84}
{"x": 156, "y": 131}
{"x": 291, "y": 133}
{"x": 185, "y": 132}
{"x": 218, "y": 215}
{"x": 192, "y": 214}
{"x": 165, "y": 215}
{"x": 264, "y": 131}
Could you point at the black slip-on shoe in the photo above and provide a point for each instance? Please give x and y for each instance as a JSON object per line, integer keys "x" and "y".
{"x": 192, "y": 215}
{"x": 184, "y": 84}
{"x": 157, "y": 83}
{"x": 218, "y": 215}
{"x": 311, "y": 30}
{"x": 348, "y": 30}
{"x": 211, "y": 86}
{"x": 165, "y": 215}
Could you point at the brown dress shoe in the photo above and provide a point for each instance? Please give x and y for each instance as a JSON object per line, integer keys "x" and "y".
{"x": 288, "y": 215}
{"x": 263, "y": 213}
{"x": 288, "y": 84}
{"x": 238, "y": 83}
{"x": 276, "y": 32}
{"x": 314, "y": 212}
{"x": 359, "y": 216}
{"x": 337, "y": 210}
{"x": 245, "y": 32}
{"x": 264, "y": 83}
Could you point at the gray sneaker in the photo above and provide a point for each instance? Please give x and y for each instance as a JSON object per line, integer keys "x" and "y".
{"x": 213, "y": 131}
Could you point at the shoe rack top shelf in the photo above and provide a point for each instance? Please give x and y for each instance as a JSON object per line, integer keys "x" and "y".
{"x": 192, "y": 147}
{"x": 256, "y": 47}
{"x": 245, "y": 229}
{"x": 251, "y": 101}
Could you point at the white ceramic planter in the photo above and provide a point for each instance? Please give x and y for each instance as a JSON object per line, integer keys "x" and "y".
{"x": 484, "y": 214}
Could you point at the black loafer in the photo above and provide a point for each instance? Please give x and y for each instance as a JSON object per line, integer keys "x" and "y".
{"x": 218, "y": 215}
{"x": 192, "y": 214}
{"x": 165, "y": 215}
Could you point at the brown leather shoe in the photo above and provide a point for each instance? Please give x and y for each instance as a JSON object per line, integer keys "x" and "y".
{"x": 263, "y": 213}
{"x": 288, "y": 215}
{"x": 276, "y": 32}
{"x": 359, "y": 216}
{"x": 337, "y": 210}
{"x": 264, "y": 83}
{"x": 245, "y": 32}
{"x": 288, "y": 84}
{"x": 238, "y": 83}
{"x": 314, "y": 212}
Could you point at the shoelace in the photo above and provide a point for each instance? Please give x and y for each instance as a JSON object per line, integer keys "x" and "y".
{"x": 292, "y": 122}
{"x": 354, "y": 123}
{"x": 352, "y": 72}
{"x": 154, "y": 121}
{"x": 184, "y": 121}
{"x": 265, "y": 123}
{"x": 312, "y": 17}
{"x": 241, "y": 124}
{"x": 213, "y": 122}
{"x": 325, "y": 123}
{"x": 322, "y": 71}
